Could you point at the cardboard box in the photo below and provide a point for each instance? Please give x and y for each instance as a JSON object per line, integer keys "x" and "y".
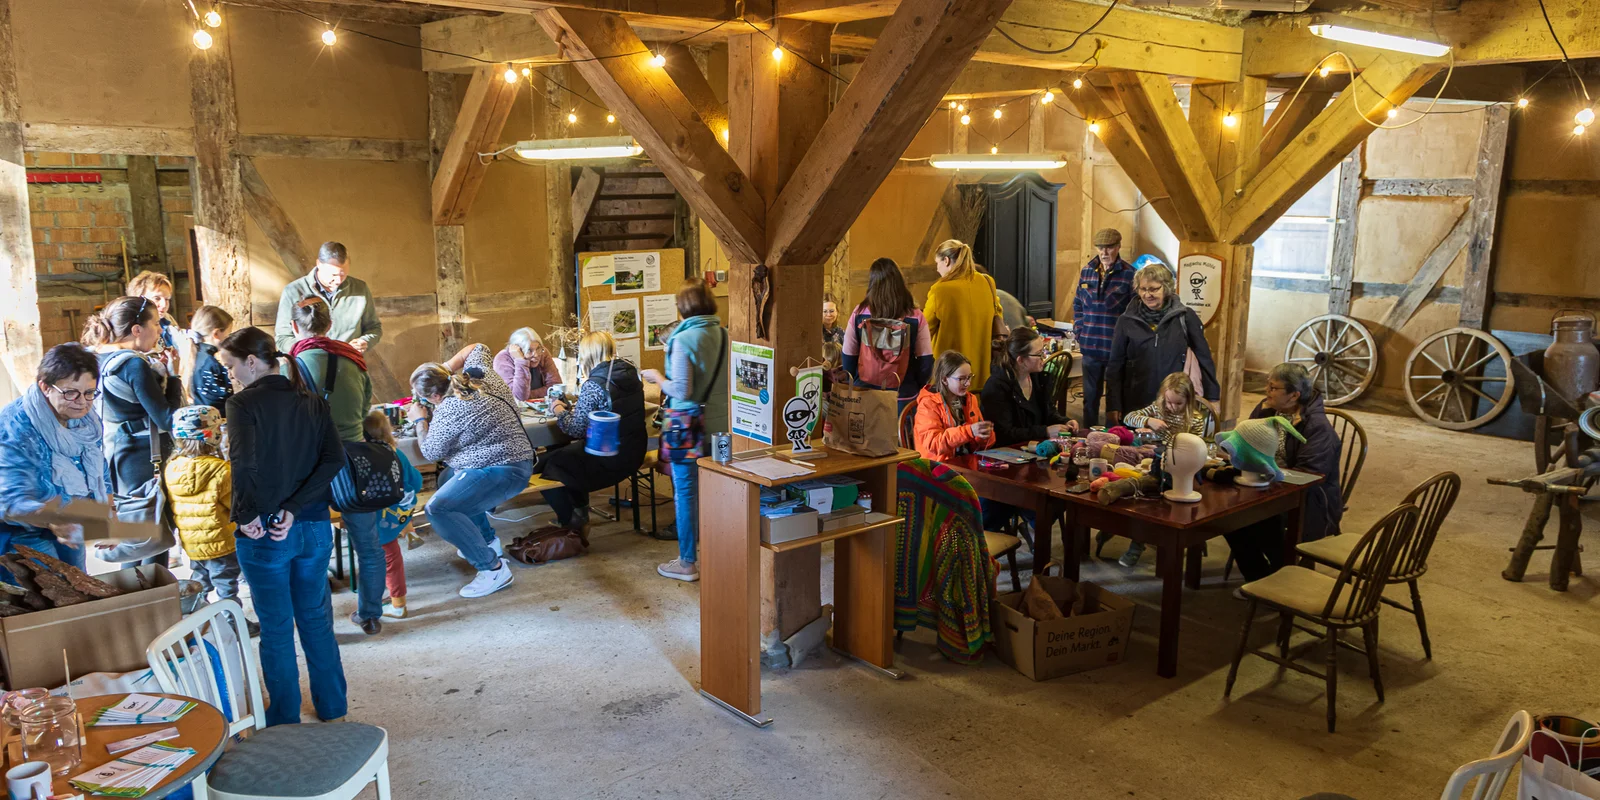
{"x": 777, "y": 530}
{"x": 107, "y": 635}
{"x": 847, "y": 517}
{"x": 98, "y": 521}
{"x": 1097, "y": 637}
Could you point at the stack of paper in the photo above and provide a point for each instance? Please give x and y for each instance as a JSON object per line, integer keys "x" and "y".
{"x": 136, "y": 773}
{"x": 777, "y": 503}
{"x": 142, "y": 709}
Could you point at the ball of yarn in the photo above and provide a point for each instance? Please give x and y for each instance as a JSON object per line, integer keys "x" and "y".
{"x": 1124, "y": 435}
{"x": 1098, "y": 483}
{"x": 1047, "y": 449}
{"x": 1099, "y": 439}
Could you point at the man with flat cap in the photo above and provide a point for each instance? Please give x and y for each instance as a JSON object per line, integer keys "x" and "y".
{"x": 1104, "y": 288}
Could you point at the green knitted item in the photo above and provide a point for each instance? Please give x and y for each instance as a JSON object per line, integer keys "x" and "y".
{"x": 1252, "y": 446}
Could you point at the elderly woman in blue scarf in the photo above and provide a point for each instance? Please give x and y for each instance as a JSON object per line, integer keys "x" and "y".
{"x": 50, "y": 450}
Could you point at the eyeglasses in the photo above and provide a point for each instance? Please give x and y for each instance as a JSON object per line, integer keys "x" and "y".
{"x": 1274, "y": 388}
{"x": 961, "y": 378}
{"x": 74, "y": 395}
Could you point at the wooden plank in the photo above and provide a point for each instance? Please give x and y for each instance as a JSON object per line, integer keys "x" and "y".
{"x": 562, "y": 224}
{"x": 1422, "y": 187}
{"x": 1170, "y": 144}
{"x": 499, "y": 302}
{"x": 1449, "y": 295}
{"x": 1125, "y": 147}
{"x": 1428, "y": 274}
{"x": 1484, "y": 211}
{"x": 273, "y": 221}
{"x": 219, "y": 206}
{"x": 386, "y": 13}
{"x": 1342, "y": 267}
{"x": 340, "y": 147}
{"x": 784, "y": 104}
{"x": 1329, "y": 138}
{"x": 19, "y": 309}
{"x": 730, "y": 573}
{"x": 1208, "y": 105}
{"x": 144, "y": 211}
{"x": 1290, "y": 117}
{"x": 684, "y": 70}
{"x": 117, "y": 139}
{"x": 478, "y": 124}
{"x": 863, "y": 579}
{"x": 1546, "y": 301}
{"x": 1252, "y": 121}
{"x": 652, "y": 107}
{"x": 836, "y": 11}
{"x": 1035, "y": 126}
{"x": 1548, "y": 186}
{"x": 449, "y": 241}
{"x": 583, "y": 196}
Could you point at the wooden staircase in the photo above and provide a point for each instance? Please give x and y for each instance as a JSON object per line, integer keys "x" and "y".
{"x": 624, "y": 208}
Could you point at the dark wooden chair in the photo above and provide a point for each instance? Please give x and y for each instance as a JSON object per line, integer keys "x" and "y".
{"x": 1059, "y": 367}
{"x": 1335, "y": 604}
{"x": 908, "y": 426}
{"x": 1434, "y": 497}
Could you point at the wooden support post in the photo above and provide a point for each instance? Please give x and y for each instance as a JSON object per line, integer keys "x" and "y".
{"x": 1252, "y": 99}
{"x": 477, "y": 130}
{"x": 24, "y": 345}
{"x": 1342, "y": 270}
{"x": 1532, "y": 532}
{"x": 1433, "y": 267}
{"x": 1120, "y": 139}
{"x": 1291, "y": 116}
{"x": 449, "y": 241}
{"x": 1227, "y": 332}
{"x": 219, "y": 212}
{"x": 1479, "y": 280}
{"x": 1153, "y": 112}
{"x": 561, "y": 224}
{"x": 144, "y": 198}
{"x": 273, "y": 220}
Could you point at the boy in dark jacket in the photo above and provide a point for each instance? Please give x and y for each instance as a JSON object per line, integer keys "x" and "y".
{"x": 209, "y": 381}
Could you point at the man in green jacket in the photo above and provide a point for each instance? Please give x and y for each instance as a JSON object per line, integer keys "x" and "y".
{"x": 355, "y": 316}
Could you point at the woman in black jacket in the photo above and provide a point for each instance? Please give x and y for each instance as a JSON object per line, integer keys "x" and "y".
{"x": 610, "y": 384}
{"x": 1151, "y": 341}
{"x": 1016, "y": 397}
{"x": 285, "y": 452}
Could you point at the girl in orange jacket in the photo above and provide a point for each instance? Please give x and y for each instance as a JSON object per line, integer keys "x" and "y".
{"x": 949, "y": 423}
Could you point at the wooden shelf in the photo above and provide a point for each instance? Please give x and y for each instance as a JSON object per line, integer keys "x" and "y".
{"x": 810, "y": 541}
{"x": 838, "y": 462}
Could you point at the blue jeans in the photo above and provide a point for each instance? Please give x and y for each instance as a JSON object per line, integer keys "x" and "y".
{"x": 1094, "y": 379}
{"x": 43, "y": 542}
{"x": 363, "y": 531}
{"x": 459, "y": 511}
{"x": 686, "y": 504}
{"x": 289, "y": 584}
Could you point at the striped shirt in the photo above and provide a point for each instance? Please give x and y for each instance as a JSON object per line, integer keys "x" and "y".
{"x": 1097, "y": 305}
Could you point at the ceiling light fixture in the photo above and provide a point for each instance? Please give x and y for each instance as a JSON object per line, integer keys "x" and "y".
{"x": 1584, "y": 117}
{"x": 330, "y": 38}
{"x": 1048, "y": 98}
{"x": 996, "y": 161}
{"x": 997, "y": 113}
{"x": 1077, "y": 83}
{"x": 658, "y": 61}
{"x": 213, "y": 19}
{"x": 1230, "y": 120}
{"x": 579, "y": 149}
{"x": 777, "y": 53}
{"x": 510, "y": 75}
{"x": 1094, "y": 128}
{"x": 202, "y": 39}
{"x": 1522, "y": 102}
{"x": 966, "y": 119}
{"x": 1382, "y": 41}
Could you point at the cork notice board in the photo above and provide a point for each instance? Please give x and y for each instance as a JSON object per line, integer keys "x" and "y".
{"x": 631, "y": 294}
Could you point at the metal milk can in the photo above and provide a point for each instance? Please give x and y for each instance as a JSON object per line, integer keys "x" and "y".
{"x": 1571, "y": 362}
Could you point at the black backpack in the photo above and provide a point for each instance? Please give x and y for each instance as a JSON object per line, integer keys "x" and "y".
{"x": 372, "y": 479}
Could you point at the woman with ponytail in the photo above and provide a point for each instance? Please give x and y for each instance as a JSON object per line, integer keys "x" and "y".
{"x": 285, "y": 452}
{"x": 465, "y": 415}
{"x": 963, "y": 310}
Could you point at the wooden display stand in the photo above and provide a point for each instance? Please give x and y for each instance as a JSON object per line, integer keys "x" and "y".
{"x": 730, "y": 574}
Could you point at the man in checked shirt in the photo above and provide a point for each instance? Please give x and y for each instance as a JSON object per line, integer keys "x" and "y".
{"x": 1104, "y": 288}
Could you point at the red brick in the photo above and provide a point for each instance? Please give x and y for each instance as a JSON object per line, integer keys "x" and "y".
{"x": 105, "y": 204}
{"x": 78, "y": 251}
{"x": 110, "y": 249}
{"x": 104, "y": 234}
{"x": 66, "y": 234}
{"x": 77, "y": 219}
{"x": 58, "y": 203}
{"x": 45, "y": 251}
{"x": 42, "y": 219}
{"x": 88, "y": 160}
{"x": 108, "y": 219}
{"x": 62, "y": 267}
{"x": 53, "y": 159}
{"x": 38, "y": 235}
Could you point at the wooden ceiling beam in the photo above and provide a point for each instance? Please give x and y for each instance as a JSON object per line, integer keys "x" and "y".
{"x": 662, "y": 117}
{"x": 392, "y": 12}
{"x": 1481, "y": 31}
{"x": 1153, "y": 112}
{"x": 1291, "y": 116}
{"x": 518, "y": 38}
{"x": 1346, "y": 122}
{"x": 482, "y": 117}
{"x": 1119, "y": 138}
{"x": 919, "y": 54}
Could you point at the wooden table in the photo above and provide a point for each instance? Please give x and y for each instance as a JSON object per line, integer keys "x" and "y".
{"x": 730, "y": 574}
{"x": 1032, "y": 487}
{"x": 1173, "y": 528}
{"x": 203, "y": 728}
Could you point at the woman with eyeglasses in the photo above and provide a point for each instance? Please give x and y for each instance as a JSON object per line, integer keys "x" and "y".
{"x": 1153, "y": 339}
{"x": 949, "y": 422}
{"x": 1017, "y": 397}
{"x": 527, "y": 366}
{"x": 50, "y": 451}
{"x": 137, "y": 402}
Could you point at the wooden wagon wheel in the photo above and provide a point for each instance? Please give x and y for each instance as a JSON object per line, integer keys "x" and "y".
{"x": 1338, "y": 352}
{"x": 1444, "y": 378}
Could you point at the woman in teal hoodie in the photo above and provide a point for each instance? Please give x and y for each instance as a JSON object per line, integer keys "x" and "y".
{"x": 697, "y": 378}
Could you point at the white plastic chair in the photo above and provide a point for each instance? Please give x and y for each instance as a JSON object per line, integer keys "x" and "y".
{"x": 1492, "y": 772}
{"x": 329, "y": 761}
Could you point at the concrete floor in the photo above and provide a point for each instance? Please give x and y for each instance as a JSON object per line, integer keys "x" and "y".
{"x": 578, "y": 681}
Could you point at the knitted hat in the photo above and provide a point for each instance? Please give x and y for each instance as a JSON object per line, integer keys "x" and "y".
{"x": 197, "y": 422}
{"x": 1106, "y": 237}
{"x": 1253, "y": 444}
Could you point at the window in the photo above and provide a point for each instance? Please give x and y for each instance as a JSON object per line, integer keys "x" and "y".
{"x": 1300, "y": 243}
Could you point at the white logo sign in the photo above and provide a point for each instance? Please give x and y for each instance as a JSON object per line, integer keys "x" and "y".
{"x": 1200, "y": 284}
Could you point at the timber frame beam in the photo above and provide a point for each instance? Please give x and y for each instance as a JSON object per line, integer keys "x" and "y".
{"x": 477, "y": 130}
{"x": 1153, "y": 110}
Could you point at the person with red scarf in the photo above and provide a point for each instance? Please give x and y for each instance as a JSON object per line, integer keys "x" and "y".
{"x": 349, "y": 397}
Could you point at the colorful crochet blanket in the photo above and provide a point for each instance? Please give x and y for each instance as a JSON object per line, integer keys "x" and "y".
{"x": 943, "y": 571}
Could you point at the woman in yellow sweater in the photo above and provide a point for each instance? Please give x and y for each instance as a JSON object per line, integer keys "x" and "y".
{"x": 963, "y": 310}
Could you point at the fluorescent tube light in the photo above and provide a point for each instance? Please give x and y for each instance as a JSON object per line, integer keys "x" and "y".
{"x": 581, "y": 149}
{"x": 1384, "y": 41}
{"x": 997, "y": 161}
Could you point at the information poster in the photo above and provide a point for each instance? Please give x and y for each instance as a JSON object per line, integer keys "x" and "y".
{"x": 1200, "y": 284}
{"x": 660, "y": 314}
{"x": 636, "y": 273}
{"x": 597, "y": 270}
{"x": 619, "y": 317}
{"x": 628, "y": 350}
{"x": 750, "y": 404}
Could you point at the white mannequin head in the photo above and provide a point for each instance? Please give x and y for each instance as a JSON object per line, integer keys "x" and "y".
{"x": 1186, "y": 456}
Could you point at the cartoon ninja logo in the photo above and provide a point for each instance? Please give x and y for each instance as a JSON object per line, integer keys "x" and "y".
{"x": 797, "y": 416}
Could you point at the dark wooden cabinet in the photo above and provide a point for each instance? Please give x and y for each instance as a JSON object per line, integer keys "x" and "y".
{"x": 1016, "y": 241}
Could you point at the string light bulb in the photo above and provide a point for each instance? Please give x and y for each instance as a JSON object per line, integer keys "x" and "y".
{"x": 962, "y": 107}
{"x": 1325, "y": 72}
{"x": 611, "y": 119}
{"x": 997, "y": 113}
{"x": 994, "y": 150}
{"x": 1522, "y": 102}
{"x": 527, "y": 72}
{"x": 213, "y": 19}
{"x": 966, "y": 119}
{"x": 1077, "y": 83}
{"x": 1579, "y": 129}
{"x": 724, "y": 135}
{"x": 952, "y": 105}
{"x": 510, "y": 76}
{"x": 1393, "y": 112}
{"x": 1048, "y": 98}
{"x": 658, "y": 61}
{"x": 777, "y": 53}
{"x": 572, "y": 117}
{"x": 1584, "y": 117}
{"x": 1230, "y": 120}
{"x": 1094, "y": 128}
{"x": 329, "y": 37}
{"x": 202, "y": 39}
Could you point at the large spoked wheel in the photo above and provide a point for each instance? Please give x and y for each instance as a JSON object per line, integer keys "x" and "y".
{"x": 1445, "y": 379}
{"x": 1338, "y": 352}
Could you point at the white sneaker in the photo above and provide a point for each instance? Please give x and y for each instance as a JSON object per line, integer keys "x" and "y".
{"x": 498, "y": 548}
{"x": 489, "y": 581}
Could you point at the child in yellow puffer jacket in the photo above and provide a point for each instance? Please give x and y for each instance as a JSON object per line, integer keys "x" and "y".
{"x": 200, "y": 488}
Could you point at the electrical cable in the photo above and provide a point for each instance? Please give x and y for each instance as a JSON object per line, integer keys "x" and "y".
{"x": 1565, "y": 59}
{"x": 1074, "y": 43}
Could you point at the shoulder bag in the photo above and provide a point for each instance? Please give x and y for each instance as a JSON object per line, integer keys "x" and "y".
{"x": 372, "y": 479}
{"x": 683, "y": 430}
{"x": 147, "y": 502}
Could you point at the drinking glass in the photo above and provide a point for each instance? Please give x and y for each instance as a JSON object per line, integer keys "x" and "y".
{"x": 50, "y": 734}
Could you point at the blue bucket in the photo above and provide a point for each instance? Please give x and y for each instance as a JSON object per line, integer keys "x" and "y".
{"x": 604, "y": 437}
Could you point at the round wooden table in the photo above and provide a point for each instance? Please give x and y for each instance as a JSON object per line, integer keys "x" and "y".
{"x": 204, "y": 729}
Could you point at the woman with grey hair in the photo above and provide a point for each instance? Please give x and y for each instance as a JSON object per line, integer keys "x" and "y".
{"x": 1152, "y": 340}
{"x": 527, "y": 366}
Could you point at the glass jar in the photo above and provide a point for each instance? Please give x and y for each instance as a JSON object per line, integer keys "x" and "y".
{"x": 12, "y": 704}
{"x": 50, "y": 734}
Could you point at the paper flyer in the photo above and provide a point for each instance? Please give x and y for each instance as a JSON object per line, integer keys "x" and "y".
{"x": 628, "y": 350}
{"x": 619, "y": 317}
{"x": 660, "y": 314}
{"x": 597, "y": 271}
{"x": 635, "y": 273}
{"x": 750, "y": 403}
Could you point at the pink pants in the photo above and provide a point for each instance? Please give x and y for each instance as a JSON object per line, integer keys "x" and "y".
{"x": 394, "y": 572}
